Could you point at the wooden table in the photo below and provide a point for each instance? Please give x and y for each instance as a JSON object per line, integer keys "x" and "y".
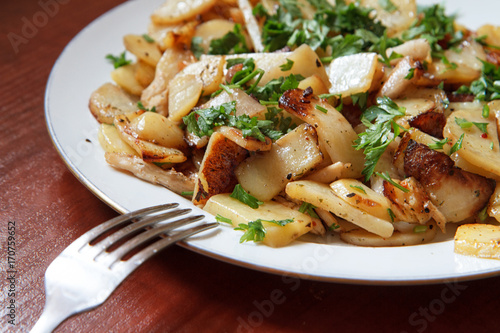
{"x": 178, "y": 290}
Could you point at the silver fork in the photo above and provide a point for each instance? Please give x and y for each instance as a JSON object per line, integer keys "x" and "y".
{"x": 89, "y": 270}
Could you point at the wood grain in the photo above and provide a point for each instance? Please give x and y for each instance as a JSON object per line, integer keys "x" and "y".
{"x": 177, "y": 291}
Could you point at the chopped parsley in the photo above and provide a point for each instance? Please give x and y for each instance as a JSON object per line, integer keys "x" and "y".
{"x": 464, "y": 123}
{"x": 458, "y": 145}
{"x": 438, "y": 144}
{"x": 255, "y": 231}
{"x": 385, "y": 176}
{"x": 332, "y": 27}
{"x": 487, "y": 87}
{"x": 240, "y": 194}
{"x": 196, "y": 47}
{"x": 143, "y": 108}
{"x": 118, "y": 61}
{"x": 148, "y": 38}
{"x": 391, "y": 214}
{"x": 379, "y": 134}
{"x": 308, "y": 208}
{"x": 202, "y": 122}
{"x": 288, "y": 66}
{"x": 333, "y": 227}
{"x": 486, "y": 111}
{"x": 437, "y": 27}
{"x": 232, "y": 42}
{"x": 359, "y": 188}
{"x": 320, "y": 108}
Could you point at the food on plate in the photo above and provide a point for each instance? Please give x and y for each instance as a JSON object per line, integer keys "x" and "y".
{"x": 376, "y": 120}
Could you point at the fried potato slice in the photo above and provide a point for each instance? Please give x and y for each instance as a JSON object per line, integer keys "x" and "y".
{"x": 478, "y": 148}
{"x": 478, "y": 240}
{"x": 352, "y": 74}
{"x": 124, "y": 76}
{"x": 155, "y": 128}
{"x": 266, "y": 174}
{"x": 276, "y": 235}
{"x": 397, "y": 20}
{"x": 171, "y": 179}
{"x": 360, "y": 196}
{"x": 249, "y": 143}
{"x": 335, "y": 133}
{"x": 156, "y": 94}
{"x": 176, "y": 11}
{"x": 322, "y": 196}
{"x": 216, "y": 173}
{"x": 362, "y": 237}
{"x": 147, "y": 51}
{"x": 109, "y": 100}
{"x": 150, "y": 152}
{"x": 111, "y": 142}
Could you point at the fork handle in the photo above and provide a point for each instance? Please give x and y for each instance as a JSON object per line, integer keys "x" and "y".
{"x": 53, "y": 314}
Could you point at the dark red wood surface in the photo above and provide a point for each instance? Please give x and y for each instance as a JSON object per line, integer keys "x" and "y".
{"x": 178, "y": 290}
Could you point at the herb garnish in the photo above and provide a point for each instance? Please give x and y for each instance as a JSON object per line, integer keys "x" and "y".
{"x": 143, "y": 108}
{"x": 332, "y": 27}
{"x": 437, "y": 27}
{"x": 487, "y": 87}
{"x": 438, "y": 144}
{"x": 385, "y": 176}
{"x": 203, "y": 121}
{"x": 308, "y": 208}
{"x": 243, "y": 196}
{"x": 255, "y": 231}
{"x": 458, "y": 145}
{"x": 464, "y": 123}
{"x": 148, "y": 38}
{"x": 118, "y": 61}
{"x": 379, "y": 134}
{"x": 232, "y": 42}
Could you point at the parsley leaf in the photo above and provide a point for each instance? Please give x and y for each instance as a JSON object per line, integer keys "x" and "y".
{"x": 464, "y": 123}
{"x": 203, "y": 121}
{"x": 458, "y": 145}
{"x": 437, "y": 27}
{"x": 385, "y": 176}
{"x": 196, "y": 47}
{"x": 243, "y": 196}
{"x": 487, "y": 87}
{"x": 148, "y": 38}
{"x": 220, "y": 218}
{"x": 308, "y": 208}
{"x": 143, "y": 108}
{"x": 438, "y": 144}
{"x": 232, "y": 42}
{"x": 288, "y": 66}
{"x": 255, "y": 231}
{"x": 378, "y": 135}
{"x": 118, "y": 61}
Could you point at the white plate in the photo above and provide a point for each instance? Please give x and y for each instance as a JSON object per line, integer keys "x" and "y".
{"x": 81, "y": 68}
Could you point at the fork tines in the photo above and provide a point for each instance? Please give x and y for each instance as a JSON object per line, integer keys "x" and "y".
{"x": 112, "y": 242}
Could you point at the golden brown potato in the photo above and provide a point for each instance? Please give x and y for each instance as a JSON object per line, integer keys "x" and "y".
{"x": 216, "y": 173}
{"x": 109, "y": 100}
{"x": 266, "y": 174}
{"x": 176, "y": 11}
{"x": 479, "y": 240}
